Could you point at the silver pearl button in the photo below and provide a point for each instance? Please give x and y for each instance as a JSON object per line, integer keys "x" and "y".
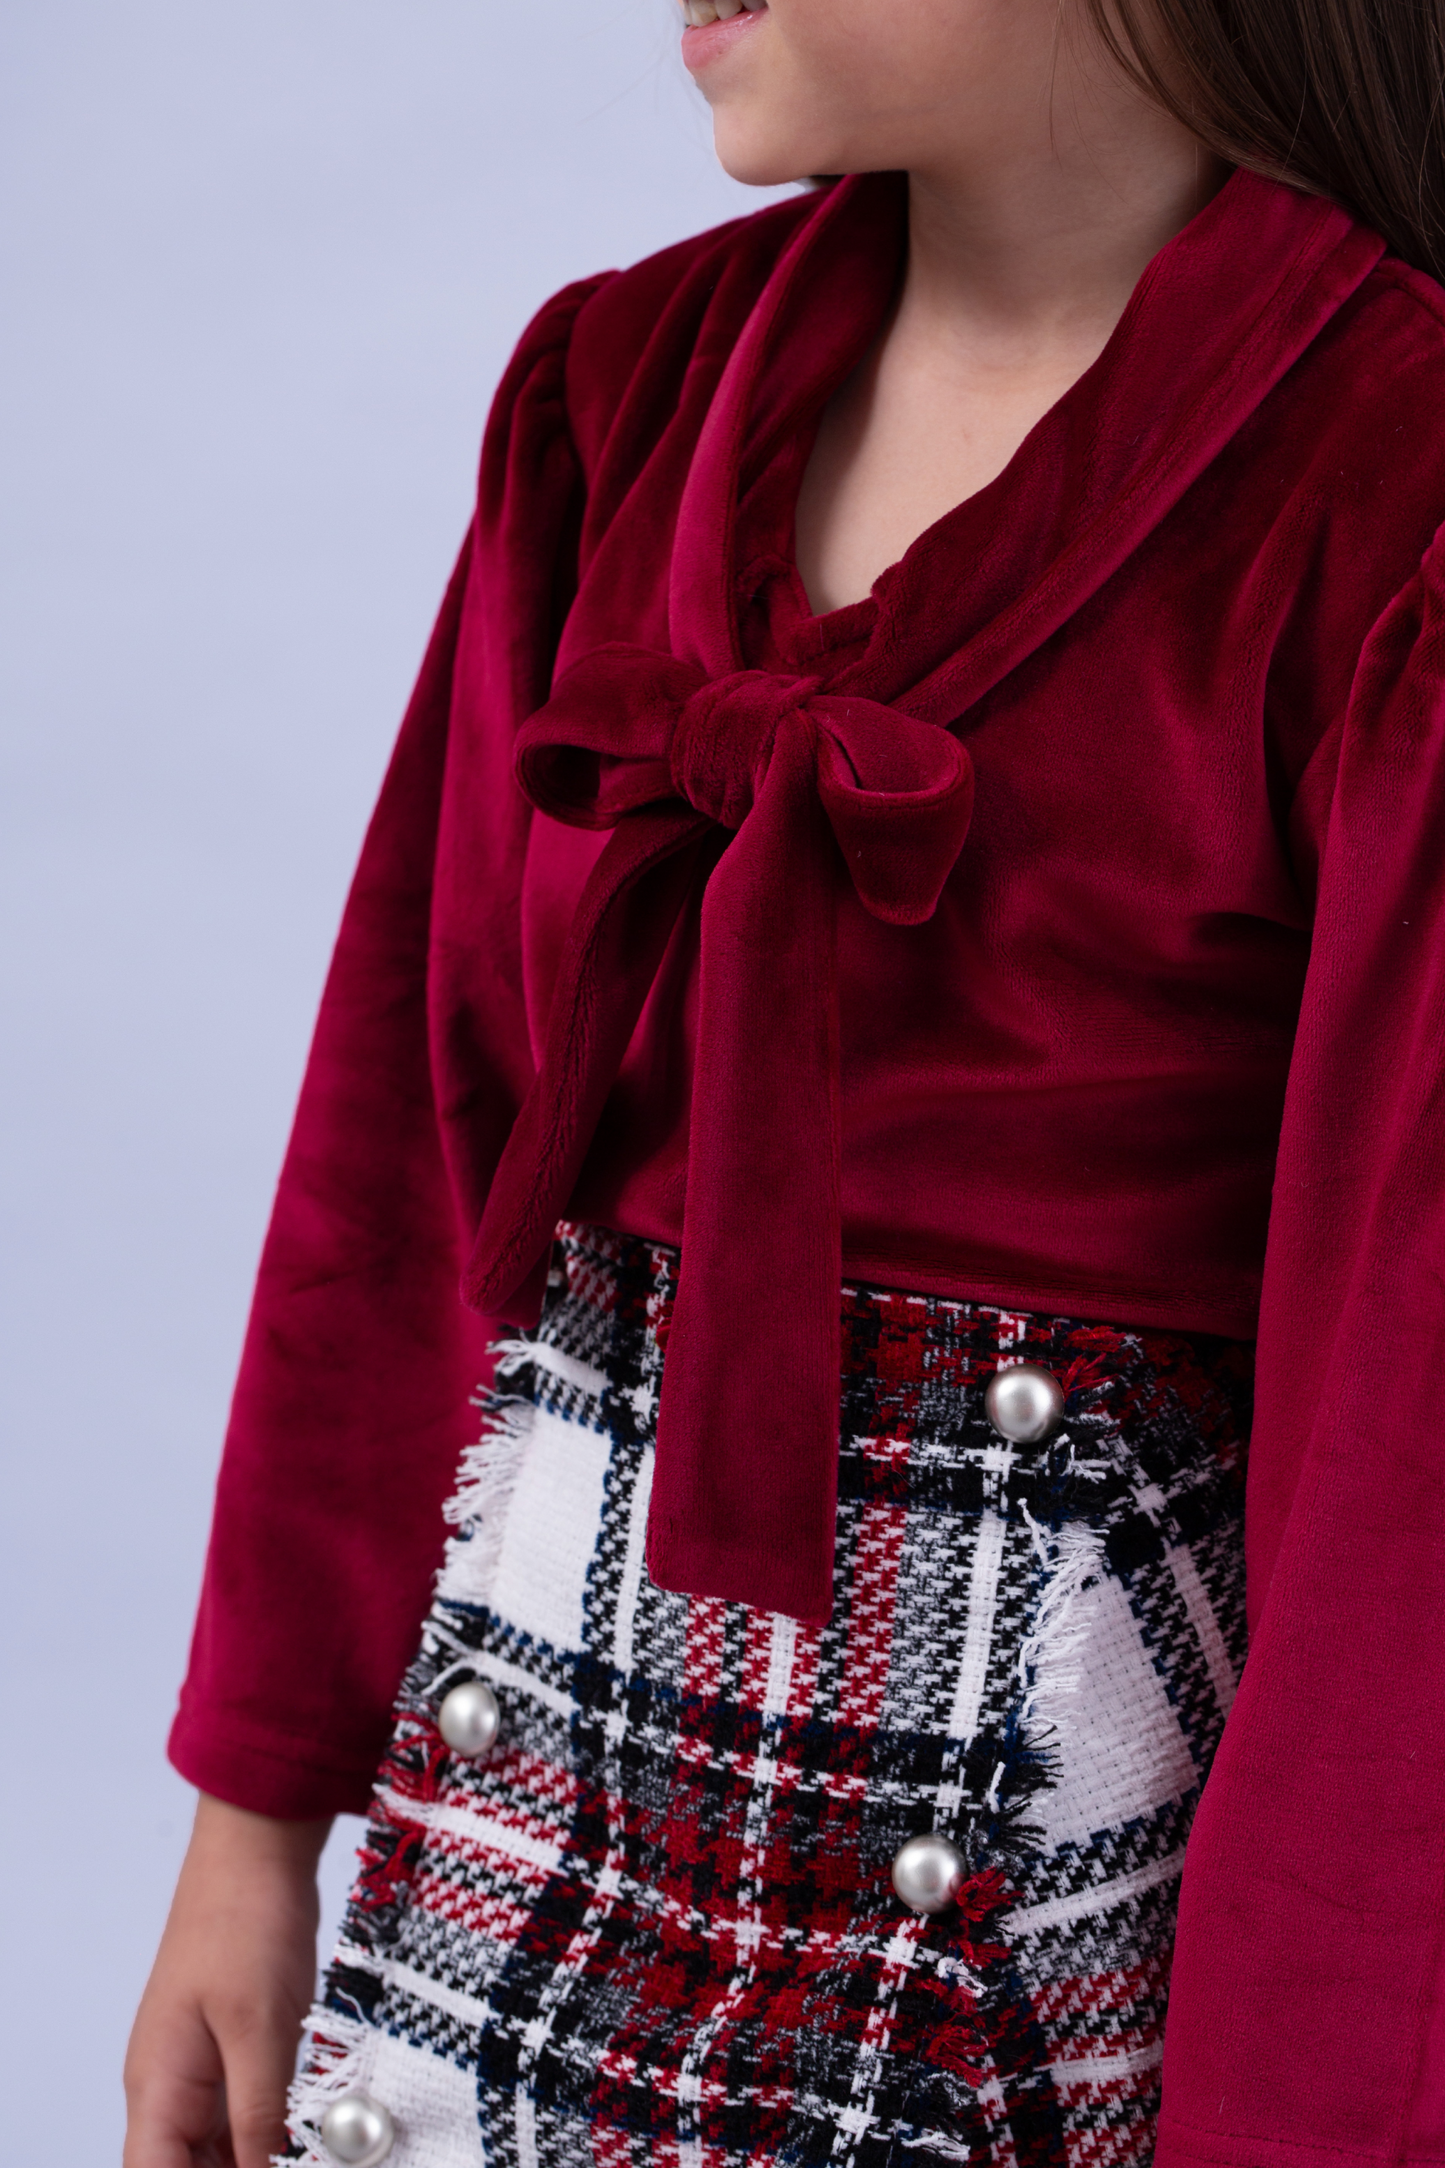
{"x": 469, "y": 1719}
{"x": 357, "y": 2131}
{"x": 928, "y": 1873}
{"x": 1024, "y": 1403}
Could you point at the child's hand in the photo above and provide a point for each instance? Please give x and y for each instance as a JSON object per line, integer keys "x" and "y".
{"x": 215, "y": 2038}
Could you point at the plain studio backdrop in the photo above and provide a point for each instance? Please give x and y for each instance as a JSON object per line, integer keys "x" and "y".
{"x": 263, "y": 262}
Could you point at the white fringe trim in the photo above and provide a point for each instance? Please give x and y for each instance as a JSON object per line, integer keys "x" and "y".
{"x": 331, "y": 2066}
{"x": 510, "y": 1356}
{"x": 487, "y": 1468}
{"x": 1047, "y": 1663}
{"x": 486, "y": 1477}
{"x": 487, "y": 1473}
{"x": 514, "y": 1355}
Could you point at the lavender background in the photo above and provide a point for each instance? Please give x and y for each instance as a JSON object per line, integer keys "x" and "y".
{"x": 260, "y": 267}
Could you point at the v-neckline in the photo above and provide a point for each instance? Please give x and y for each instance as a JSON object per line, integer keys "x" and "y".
{"x": 1096, "y": 472}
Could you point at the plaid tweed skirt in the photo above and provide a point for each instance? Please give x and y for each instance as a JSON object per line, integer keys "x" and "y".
{"x": 656, "y": 1922}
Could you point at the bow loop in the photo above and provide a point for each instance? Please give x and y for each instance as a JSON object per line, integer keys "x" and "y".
{"x": 724, "y": 739}
{"x": 627, "y": 728}
{"x": 600, "y": 747}
{"x": 652, "y": 747}
{"x": 899, "y": 797}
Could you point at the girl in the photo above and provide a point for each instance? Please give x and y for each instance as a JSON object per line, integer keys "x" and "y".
{"x": 927, "y": 783}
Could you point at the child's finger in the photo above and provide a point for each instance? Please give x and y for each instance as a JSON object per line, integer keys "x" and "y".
{"x": 174, "y": 2121}
{"x": 259, "y": 2064}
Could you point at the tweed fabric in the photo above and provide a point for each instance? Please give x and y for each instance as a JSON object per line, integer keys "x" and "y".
{"x": 656, "y": 1923}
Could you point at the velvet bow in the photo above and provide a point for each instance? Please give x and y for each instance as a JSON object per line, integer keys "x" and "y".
{"x": 745, "y": 1491}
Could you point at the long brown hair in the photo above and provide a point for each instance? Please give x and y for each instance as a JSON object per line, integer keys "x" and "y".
{"x": 1345, "y": 98}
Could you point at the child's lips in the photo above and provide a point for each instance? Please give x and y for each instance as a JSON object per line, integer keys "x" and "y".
{"x": 712, "y": 26}
{"x": 698, "y": 14}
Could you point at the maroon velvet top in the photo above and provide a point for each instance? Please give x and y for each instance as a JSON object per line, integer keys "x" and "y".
{"x": 1050, "y": 929}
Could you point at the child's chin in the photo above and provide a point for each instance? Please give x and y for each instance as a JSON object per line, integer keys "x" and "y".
{"x": 758, "y": 162}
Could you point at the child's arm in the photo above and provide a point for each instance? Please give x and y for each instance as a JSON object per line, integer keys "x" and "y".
{"x": 353, "y": 1404}
{"x": 214, "y": 2041}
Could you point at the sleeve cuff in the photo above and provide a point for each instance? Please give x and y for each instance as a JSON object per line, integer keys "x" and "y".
{"x": 267, "y": 1773}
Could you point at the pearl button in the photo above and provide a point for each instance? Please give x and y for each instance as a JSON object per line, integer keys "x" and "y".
{"x": 357, "y": 2131}
{"x": 469, "y": 1719}
{"x": 928, "y": 1873}
{"x": 1024, "y": 1403}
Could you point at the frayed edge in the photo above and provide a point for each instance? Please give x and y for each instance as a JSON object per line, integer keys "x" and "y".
{"x": 939, "y": 2146}
{"x": 331, "y": 2067}
{"x": 486, "y": 1477}
{"x": 478, "y": 1510}
{"x": 1047, "y": 1658}
{"x": 554, "y": 1362}
{"x": 510, "y": 1356}
{"x": 486, "y": 1470}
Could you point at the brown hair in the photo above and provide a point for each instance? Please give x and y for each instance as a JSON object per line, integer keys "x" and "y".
{"x": 1345, "y": 98}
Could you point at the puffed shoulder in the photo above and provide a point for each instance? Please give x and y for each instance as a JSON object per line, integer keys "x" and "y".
{"x": 1398, "y": 704}
{"x": 1385, "y": 748}
{"x": 1406, "y": 308}
{"x": 1371, "y": 385}
{"x": 597, "y": 377}
{"x": 602, "y": 362}
{"x": 638, "y": 329}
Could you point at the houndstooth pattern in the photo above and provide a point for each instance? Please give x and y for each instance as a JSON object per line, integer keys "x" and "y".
{"x": 656, "y": 1924}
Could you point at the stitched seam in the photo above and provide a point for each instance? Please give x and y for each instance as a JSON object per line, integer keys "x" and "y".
{"x": 195, "y": 1733}
{"x": 1256, "y": 2137}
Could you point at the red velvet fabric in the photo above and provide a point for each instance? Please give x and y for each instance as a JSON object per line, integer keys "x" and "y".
{"x": 1166, "y": 1050}
{"x": 663, "y": 753}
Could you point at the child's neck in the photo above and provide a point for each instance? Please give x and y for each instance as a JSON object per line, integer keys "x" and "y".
{"x": 1044, "y": 249}
{"x": 1016, "y": 277}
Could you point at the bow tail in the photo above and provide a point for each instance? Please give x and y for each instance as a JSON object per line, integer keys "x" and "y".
{"x": 744, "y": 1497}
{"x": 620, "y": 929}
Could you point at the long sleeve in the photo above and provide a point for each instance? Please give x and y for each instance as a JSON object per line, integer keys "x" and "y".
{"x": 1314, "y": 1899}
{"x": 360, "y": 1363}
